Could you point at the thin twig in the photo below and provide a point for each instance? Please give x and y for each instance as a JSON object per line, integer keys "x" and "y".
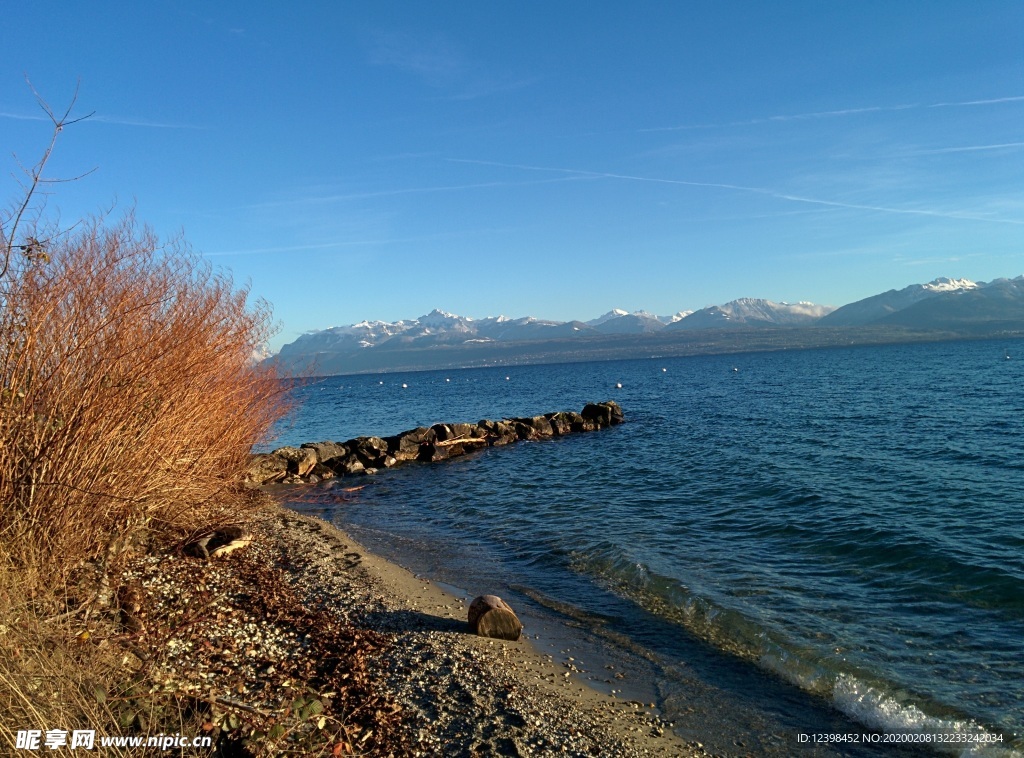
{"x": 240, "y": 706}
{"x": 35, "y": 174}
{"x": 73, "y": 612}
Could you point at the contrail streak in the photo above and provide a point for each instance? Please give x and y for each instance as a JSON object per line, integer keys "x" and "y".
{"x": 837, "y": 113}
{"x": 742, "y": 188}
{"x": 967, "y": 148}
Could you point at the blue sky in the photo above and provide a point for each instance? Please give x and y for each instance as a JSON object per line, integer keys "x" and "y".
{"x": 377, "y": 160}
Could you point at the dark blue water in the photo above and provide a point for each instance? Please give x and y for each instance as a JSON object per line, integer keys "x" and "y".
{"x": 849, "y": 522}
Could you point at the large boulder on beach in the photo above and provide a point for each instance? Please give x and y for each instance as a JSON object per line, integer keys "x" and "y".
{"x": 490, "y": 616}
{"x": 300, "y": 460}
{"x": 265, "y": 468}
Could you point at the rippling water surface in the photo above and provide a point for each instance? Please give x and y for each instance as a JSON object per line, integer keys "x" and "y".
{"x": 847, "y": 520}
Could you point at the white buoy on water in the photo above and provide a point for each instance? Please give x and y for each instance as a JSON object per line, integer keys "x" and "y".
{"x": 404, "y": 385}
{"x": 618, "y": 385}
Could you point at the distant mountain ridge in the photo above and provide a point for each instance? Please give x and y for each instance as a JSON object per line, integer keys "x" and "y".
{"x": 879, "y": 306}
{"x": 753, "y": 312}
{"x": 951, "y": 305}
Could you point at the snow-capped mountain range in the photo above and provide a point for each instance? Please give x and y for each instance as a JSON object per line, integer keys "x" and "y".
{"x": 442, "y": 327}
{"x": 940, "y": 304}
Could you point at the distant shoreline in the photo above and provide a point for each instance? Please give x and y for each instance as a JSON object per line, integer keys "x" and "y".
{"x": 624, "y": 347}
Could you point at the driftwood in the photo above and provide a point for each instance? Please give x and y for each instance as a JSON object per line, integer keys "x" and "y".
{"x": 218, "y": 542}
{"x": 462, "y": 439}
{"x": 490, "y": 616}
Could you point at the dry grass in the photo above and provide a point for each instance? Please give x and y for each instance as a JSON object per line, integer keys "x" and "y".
{"x": 50, "y": 679}
{"x": 129, "y": 402}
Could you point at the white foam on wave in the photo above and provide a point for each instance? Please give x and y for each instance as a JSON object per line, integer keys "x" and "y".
{"x": 875, "y": 707}
{"x": 884, "y": 713}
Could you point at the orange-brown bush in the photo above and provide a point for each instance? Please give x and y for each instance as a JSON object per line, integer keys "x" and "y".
{"x": 129, "y": 395}
{"x": 129, "y": 400}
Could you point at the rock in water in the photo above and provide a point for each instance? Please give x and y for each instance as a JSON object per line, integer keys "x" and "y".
{"x": 315, "y": 461}
{"x": 489, "y": 616}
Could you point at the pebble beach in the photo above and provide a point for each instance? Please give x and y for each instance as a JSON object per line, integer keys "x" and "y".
{"x": 304, "y": 612}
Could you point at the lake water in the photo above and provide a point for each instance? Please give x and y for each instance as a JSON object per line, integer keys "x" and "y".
{"x": 773, "y": 544}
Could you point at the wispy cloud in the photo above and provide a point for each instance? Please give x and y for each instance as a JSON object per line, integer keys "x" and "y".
{"x": 432, "y": 59}
{"x": 968, "y": 148}
{"x": 282, "y": 249}
{"x": 440, "y": 64}
{"x": 838, "y": 113}
{"x": 932, "y": 261}
{"x": 888, "y": 209}
{"x": 146, "y": 123}
{"x": 24, "y": 116}
{"x": 344, "y": 197}
{"x": 749, "y": 216}
{"x": 100, "y": 119}
{"x": 992, "y": 101}
{"x": 482, "y": 87}
{"x": 343, "y": 244}
{"x": 755, "y": 190}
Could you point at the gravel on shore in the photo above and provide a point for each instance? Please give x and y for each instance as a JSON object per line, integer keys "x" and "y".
{"x": 304, "y": 643}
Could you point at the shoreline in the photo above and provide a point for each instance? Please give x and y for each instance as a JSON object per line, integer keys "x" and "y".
{"x": 470, "y": 694}
{"x": 305, "y": 642}
{"x": 302, "y": 641}
{"x": 719, "y": 708}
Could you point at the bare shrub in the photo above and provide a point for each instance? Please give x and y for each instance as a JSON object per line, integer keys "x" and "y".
{"x": 129, "y": 396}
{"x": 129, "y": 401}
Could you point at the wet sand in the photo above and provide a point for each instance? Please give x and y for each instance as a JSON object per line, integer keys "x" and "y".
{"x": 460, "y": 694}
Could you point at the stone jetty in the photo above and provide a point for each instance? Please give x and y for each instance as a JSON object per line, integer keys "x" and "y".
{"x": 313, "y": 462}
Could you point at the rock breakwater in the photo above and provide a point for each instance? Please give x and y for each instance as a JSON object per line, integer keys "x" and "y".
{"x": 313, "y": 462}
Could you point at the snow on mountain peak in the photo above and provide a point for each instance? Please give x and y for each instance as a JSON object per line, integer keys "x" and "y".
{"x": 613, "y": 313}
{"x": 945, "y": 284}
{"x": 677, "y": 316}
{"x": 437, "y": 317}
